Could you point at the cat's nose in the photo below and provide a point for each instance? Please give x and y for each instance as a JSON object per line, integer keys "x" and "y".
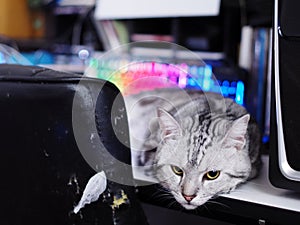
{"x": 188, "y": 198}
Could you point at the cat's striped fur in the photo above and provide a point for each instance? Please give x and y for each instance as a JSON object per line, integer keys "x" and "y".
{"x": 196, "y": 133}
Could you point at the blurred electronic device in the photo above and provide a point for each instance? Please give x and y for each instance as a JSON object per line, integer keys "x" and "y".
{"x": 106, "y": 9}
{"x": 132, "y": 76}
{"x": 285, "y": 95}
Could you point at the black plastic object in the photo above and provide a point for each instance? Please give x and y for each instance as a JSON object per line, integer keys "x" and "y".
{"x": 285, "y": 96}
{"x": 43, "y": 172}
{"x": 289, "y": 18}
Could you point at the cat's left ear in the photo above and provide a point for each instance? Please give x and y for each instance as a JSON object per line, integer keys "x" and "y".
{"x": 168, "y": 124}
{"x": 235, "y": 136}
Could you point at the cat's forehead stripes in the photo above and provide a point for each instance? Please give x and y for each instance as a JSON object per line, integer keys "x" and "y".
{"x": 199, "y": 139}
{"x": 206, "y": 129}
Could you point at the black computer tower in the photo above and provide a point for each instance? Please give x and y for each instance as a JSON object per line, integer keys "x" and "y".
{"x": 285, "y": 96}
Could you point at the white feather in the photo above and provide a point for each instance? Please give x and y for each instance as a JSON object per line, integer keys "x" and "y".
{"x": 94, "y": 188}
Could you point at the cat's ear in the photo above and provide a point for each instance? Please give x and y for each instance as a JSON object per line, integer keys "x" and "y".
{"x": 168, "y": 124}
{"x": 235, "y": 136}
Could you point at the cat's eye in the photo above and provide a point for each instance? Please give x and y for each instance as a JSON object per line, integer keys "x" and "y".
{"x": 177, "y": 170}
{"x": 212, "y": 175}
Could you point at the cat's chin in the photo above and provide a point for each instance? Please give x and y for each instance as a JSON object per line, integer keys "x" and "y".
{"x": 189, "y": 206}
{"x": 193, "y": 204}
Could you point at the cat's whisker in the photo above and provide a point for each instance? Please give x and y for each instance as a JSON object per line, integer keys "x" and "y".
{"x": 164, "y": 194}
{"x": 171, "y": 204}
{"x": 164, "y": 197}
{"x": 155, "y": 194}
{"x": 205, "y": 207}
{"x": 161, "y": 194}
{"x": 161, "y": 189}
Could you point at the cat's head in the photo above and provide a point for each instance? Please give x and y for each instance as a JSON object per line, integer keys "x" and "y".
{"x": 196, "y": 161}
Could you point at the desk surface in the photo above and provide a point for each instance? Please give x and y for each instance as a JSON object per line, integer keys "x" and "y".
{"x": 259, "y": 191}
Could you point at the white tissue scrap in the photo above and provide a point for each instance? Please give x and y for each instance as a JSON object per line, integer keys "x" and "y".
{"x": 94, "y": 188}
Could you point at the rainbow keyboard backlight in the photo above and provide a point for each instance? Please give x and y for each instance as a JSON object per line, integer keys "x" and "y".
{"x": 135, "y": 76}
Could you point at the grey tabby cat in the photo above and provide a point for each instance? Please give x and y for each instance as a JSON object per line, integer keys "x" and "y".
{"x": 204, "y": 144}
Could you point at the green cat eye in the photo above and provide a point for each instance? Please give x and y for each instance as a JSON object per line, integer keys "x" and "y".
{"x": 212, "y": 175}
{"x": 177, "y": 170}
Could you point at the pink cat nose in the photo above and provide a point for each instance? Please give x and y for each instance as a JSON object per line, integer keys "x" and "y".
{"x": 188, "y": 198}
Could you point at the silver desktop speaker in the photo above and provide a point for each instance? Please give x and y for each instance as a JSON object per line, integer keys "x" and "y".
{"x": 285, "y": 96}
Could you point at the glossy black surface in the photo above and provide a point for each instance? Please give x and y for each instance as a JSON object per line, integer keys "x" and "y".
{"x": 43, "y": 172}
{"x": 289, "y": 82}
{"x": 289, "y": 20}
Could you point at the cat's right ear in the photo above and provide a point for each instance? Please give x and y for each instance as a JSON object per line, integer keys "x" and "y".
{"x": 168, "y": 125}
{"x": 235, "y": 136}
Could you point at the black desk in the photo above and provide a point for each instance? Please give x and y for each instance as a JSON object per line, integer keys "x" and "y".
{"x": 255, "y": 202}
